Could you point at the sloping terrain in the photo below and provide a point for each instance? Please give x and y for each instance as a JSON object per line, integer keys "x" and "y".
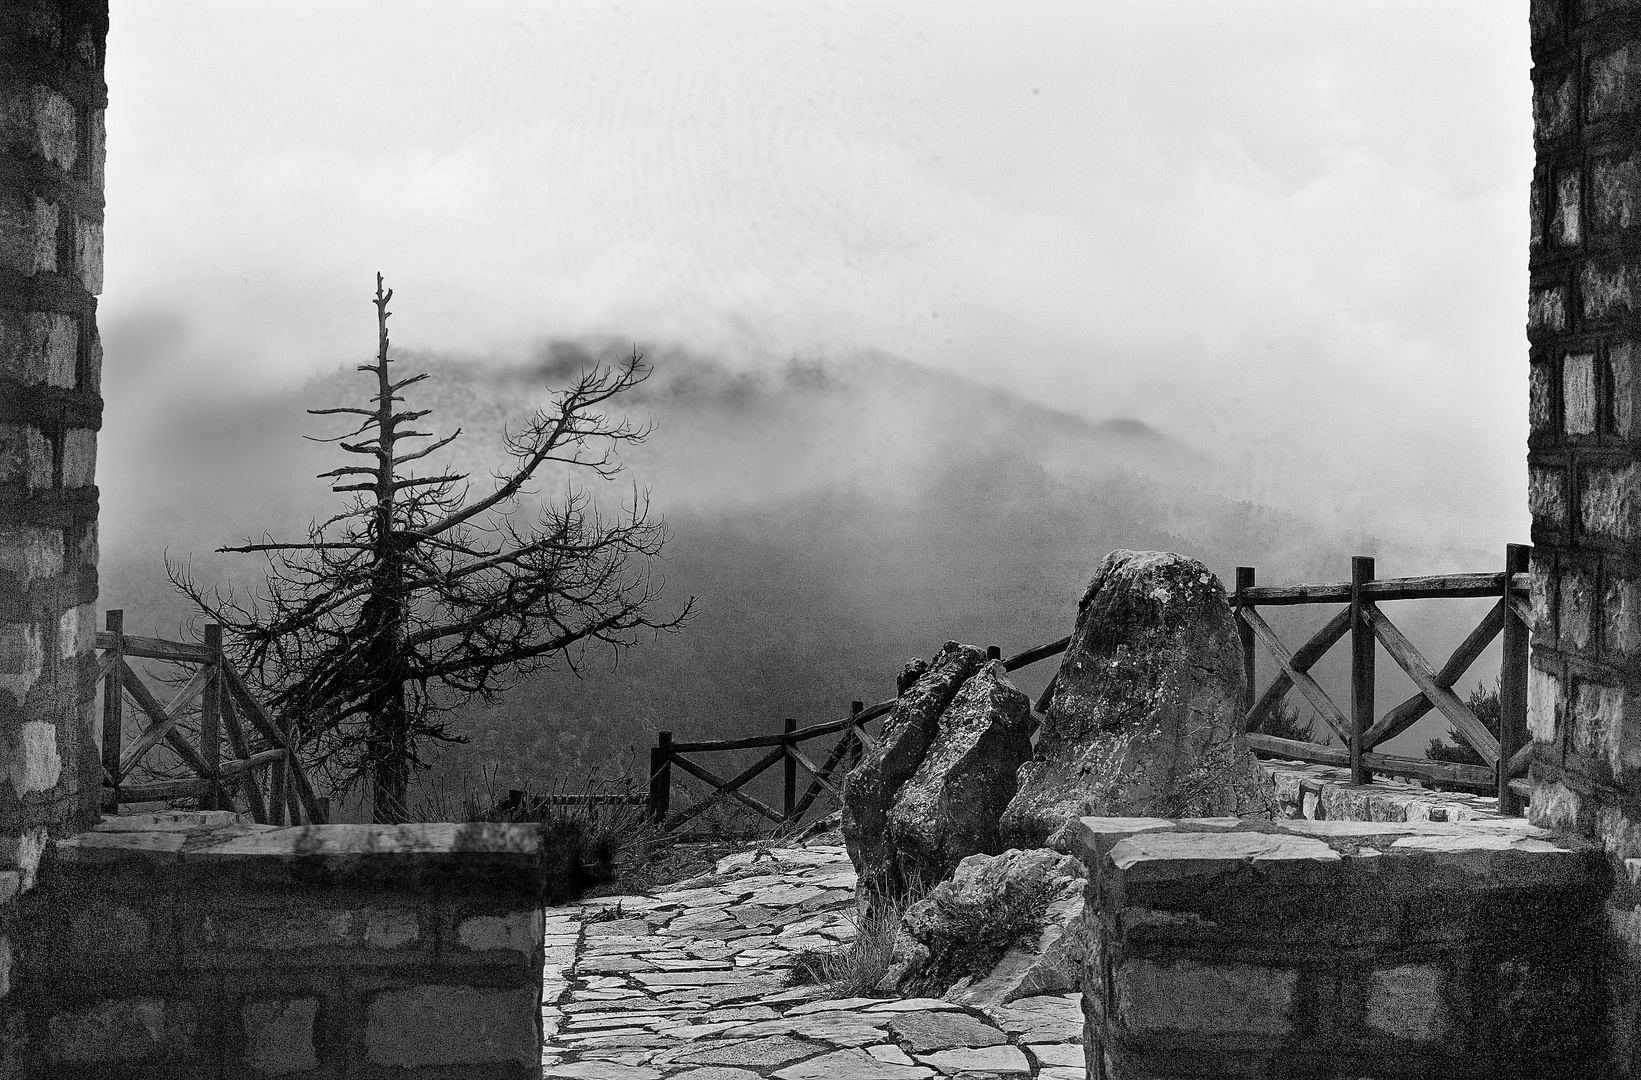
{"x": 833, "y": 519}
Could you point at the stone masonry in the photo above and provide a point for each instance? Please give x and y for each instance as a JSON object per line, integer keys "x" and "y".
{"x": 1238, "y": 948}
{"x": 1325, "y": 793}
{"x": 52, "y": 99}
{"x": 200, "y": 945}
{"x": 1584, "y": 456}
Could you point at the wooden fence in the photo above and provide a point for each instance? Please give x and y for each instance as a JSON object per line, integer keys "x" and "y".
{"x": 527, "y": 806}
{"x": 263, "y": 771}
{"x": 785, "y": 749}
{"x": 265, "y": 775}
{"x": 1360, "y": 618}
{"x": 1367, "y": 625}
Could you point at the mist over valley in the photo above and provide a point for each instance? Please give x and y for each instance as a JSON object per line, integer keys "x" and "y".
{"x": 832, "y": 518}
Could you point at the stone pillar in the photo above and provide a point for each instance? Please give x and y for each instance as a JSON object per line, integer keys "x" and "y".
{"x": 1584, "y": 457}
{"x": 1241, "y": 949}
{"x": 52, "y": 99}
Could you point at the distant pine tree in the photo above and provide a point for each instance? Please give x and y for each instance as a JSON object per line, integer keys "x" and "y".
{"x": 1484, "y": 703}
{"x": 1286, "y": 723}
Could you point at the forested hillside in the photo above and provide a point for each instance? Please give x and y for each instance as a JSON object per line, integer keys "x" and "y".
{"x": 833, "y": 519}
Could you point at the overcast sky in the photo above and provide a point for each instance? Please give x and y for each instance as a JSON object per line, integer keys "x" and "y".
{"x": 1292, "y": 234}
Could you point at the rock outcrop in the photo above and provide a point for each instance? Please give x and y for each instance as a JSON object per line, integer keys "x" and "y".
{"x": 870, "y": 788}
{"x": 914, "y": 670}
{"x": 1145, "y": 714}
{"x": 952, "y": 806}
{"x": 1003, "y": 927}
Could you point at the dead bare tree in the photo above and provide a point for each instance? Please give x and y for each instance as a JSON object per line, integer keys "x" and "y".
{"x": 419, "y": 596}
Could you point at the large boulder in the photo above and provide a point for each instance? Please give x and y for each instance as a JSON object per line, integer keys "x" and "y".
{"x": 952, "y": 805}
{"x": 1144, "y": 719}
{"x": 870, "y": 787}
{"x": 1003, "y": 927}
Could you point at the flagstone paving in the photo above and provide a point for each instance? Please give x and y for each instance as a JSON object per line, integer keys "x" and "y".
{"x": 692, "y": 984}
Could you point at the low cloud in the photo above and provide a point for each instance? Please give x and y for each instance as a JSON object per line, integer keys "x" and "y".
{"x": 1291, "y": 234}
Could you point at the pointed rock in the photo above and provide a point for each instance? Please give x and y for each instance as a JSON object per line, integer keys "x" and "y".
{"x": 869, "y": 789}
{"x": 1145, "y": 717}
{"x": 951, "y": 807}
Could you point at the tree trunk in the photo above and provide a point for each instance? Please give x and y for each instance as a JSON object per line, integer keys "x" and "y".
{"x": 390, "y": 762}
{"x": 389, "y": 722}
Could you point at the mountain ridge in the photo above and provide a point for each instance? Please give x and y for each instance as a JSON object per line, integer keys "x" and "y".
{"x": 834, "y": 518}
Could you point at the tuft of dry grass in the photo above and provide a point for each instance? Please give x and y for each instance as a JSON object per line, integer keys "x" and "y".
{"x": 854, "y": 968}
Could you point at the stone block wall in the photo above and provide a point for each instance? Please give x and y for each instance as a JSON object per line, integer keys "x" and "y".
{"x": 52, "y": 100}
{"x": 1224, "y": 948}
{"x": 1325, "y": 793}
{"x": 1584, "y": 456}
{"x": 1584, "y": 443}
{"x": 195, "y": 945}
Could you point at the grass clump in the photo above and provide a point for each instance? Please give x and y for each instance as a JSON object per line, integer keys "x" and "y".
{"x": 854, "y": 968}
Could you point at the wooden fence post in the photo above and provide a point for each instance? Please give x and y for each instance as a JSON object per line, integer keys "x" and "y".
{"x": 284, "y": 775}
{"x": 660, "y": 777}
{"x": 859, "y": 747}
{"x": 114, "y": 705}
{"x": 210, "y": 715}
{"x": 296, "y": 782}
{"x": 1245, "y": 580}
{"x": 1512, "y": 680}
{"x": 281, "y": 798}
{"x": 789, "y": 777}
{"x": 1362, "y": 646}
{"x": 279, "y": 812}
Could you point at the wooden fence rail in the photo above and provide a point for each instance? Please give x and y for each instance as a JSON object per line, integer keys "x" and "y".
{"x": 785, "y": 749}
{"x": 1361, "y": 619}
{"x": 263, "y": 769}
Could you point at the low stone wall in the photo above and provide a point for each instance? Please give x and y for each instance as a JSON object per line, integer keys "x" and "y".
{"x": 195, "y": 945}
{"x": 1325, "y": 793}
{"x": 1230, "y": 948}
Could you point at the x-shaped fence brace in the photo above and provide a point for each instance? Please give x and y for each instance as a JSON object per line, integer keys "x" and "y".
{"x": 267, "y": 773}
{"x": 855, "y": 739}
{"x": 1362, "y": 620}
{"x": 1366, "y": 624}
{"x": 785, "y": 748}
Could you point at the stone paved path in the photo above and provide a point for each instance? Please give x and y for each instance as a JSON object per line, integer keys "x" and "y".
{"x": 692, "y": 984}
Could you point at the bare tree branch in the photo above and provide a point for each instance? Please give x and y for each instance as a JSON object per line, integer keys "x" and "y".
{"x": 414, "y": 599}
